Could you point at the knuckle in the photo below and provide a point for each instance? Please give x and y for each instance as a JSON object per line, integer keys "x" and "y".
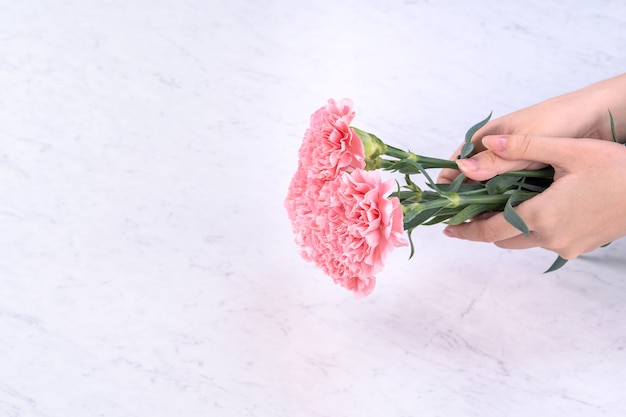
{"x": 489, "y": 235}
{"x": 502, "y": 245}
{"x": 489, "y": 159}
{"x": 565, "y": 248}
{"x": 568, "y": 253}
{"x": 522, "y": 145}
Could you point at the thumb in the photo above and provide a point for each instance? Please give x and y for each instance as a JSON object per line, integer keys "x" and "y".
{"x": 549, "y": 150}
{"x": 487, "y": 164}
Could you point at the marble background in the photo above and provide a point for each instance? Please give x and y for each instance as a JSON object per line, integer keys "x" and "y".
{"x": 147, "y": 266}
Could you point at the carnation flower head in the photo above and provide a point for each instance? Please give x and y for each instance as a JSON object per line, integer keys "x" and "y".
{"x": 301, "y": 204}
{"x": 330, "y": 146}
{"x": 348, "y": 226}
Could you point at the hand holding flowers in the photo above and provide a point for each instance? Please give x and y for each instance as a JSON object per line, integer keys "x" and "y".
{"x": 346, "y": 219}
{"x": 585, "y": 204}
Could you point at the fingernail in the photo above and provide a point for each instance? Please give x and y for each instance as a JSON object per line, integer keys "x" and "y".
{"x": 467, "y": 165}
{"x": 495, "y": 143}
{"x": 449, "y": 232}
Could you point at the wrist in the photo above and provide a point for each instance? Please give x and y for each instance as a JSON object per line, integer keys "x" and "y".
{"x": 605, "y": 96}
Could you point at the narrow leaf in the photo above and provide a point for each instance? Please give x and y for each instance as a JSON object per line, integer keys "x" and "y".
{"x": 469, "y": 146}
{"x": 420, "y": 218}
{"x": 613, "y": 128}
{"x": 456, "y": 184}
{"x": 474, "y": 129}
{"x": 409, "y": 231}
{"x": 466, "y": 150}
{"x": 470, "y": 211}
{"x": 499, "y": 184}
{"x": 558, "y": 263}
{"x": 413, "y": 211}
{"x": 464, "y": 187}
{"x": 422, "y": 171}
{"x": 437, "y": 219}
{"x": 533, "y": 187}
{"x": 511, "y": 216}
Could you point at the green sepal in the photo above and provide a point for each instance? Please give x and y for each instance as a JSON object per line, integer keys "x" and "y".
{"x": 373, "y": 146}
{"x": 558, "y": 263}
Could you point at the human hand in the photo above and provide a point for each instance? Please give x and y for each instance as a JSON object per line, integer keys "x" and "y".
{"x": 579, "y": 114}
{"x": 583, "y": 209}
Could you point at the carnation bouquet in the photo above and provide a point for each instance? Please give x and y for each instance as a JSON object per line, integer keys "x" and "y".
{"x": 346, "y": 219}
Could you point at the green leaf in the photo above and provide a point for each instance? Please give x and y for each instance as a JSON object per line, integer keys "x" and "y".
{"x": 411, "y": 185}
{"x": 470, "y": 211}
{"x": 455, "y": 185}
{"x": 464, "y": 187}
{"x": 533, "y": 187}
{"x": 409, "y": 231}
{"x": 613, "y": 128}
{"x": 422, "y": 171}
{"x": 511, "y": 216}
{"x": 420, "y": 218}
{"x": 558, "y": 263}
{"x": 436, "y": 220}
{"x": 474, "y": 129}
{"x": 467, "y": 149}
{"x": 499, "y": 184}
{"x": 403, "y": 166}
{"x": 413, "y": 211}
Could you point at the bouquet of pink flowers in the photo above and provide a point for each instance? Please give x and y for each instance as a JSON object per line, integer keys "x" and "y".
{"x": 346, "y": 219}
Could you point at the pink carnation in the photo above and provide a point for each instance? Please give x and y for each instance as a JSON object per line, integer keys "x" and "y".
{"x": 301, "y": 204}
{"x": 330, "y": 145}
{"x": 346, "y": 226}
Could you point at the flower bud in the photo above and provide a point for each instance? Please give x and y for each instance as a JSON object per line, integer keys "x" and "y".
{"x": 373, "y": 147}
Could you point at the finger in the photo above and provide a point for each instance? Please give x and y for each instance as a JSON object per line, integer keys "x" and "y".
{"x": 491, "y": 230}
{"x": 448, "y": 175}
{"x": 497, "y": 229}
{"x": 486, "y": 165}
{"x": 485, "y": 215}
{"x": 551, "y": 151}
{"x": 533, "y": 241}
{"x": 520, "y": 242}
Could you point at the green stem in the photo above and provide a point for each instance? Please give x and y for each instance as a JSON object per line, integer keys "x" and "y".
{"x": 425, "y": 161}
{"x": 463, "y": 199}
{"x": 547, "y": 172}
{"x": 430, "y": 163}
{"x": 454, "y": 200}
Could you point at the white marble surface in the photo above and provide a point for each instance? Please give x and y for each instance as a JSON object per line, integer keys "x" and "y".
{"x": 148, "y": 267}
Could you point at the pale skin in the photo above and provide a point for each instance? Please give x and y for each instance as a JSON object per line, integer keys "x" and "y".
{"x": 585, "y": 207}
